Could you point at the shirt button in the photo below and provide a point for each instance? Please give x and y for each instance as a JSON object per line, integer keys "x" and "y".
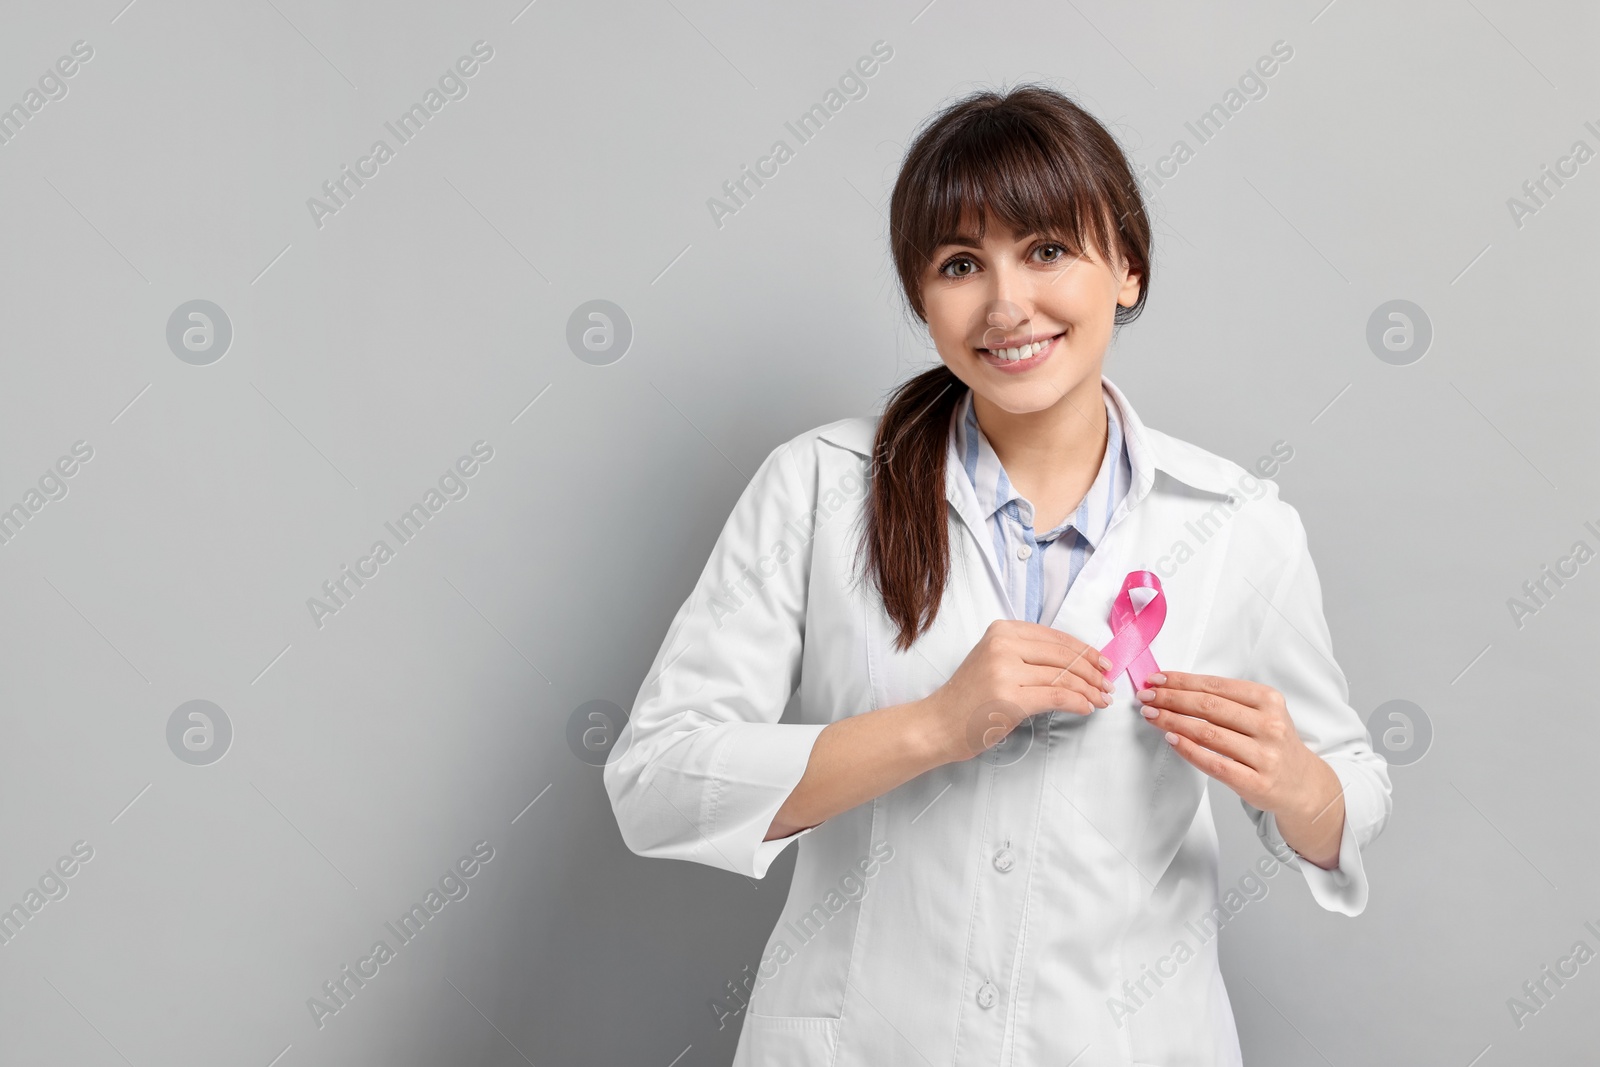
{"x": 1024, "y": 552}
{"x": 987, "y": 994}
{"x": 1004, "y": 860}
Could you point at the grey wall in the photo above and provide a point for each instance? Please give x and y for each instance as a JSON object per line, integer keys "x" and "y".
{"x": 372, "y": 347}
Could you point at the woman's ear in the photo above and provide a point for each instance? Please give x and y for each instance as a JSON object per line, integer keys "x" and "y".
{"x": 1129, "y": 280}
{"x": 1132, "y": 280}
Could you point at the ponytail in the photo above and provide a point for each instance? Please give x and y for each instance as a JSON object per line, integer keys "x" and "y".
{"x": 906, "y": 538}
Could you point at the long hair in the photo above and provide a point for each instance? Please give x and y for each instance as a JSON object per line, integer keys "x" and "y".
{"x": 1036, "y": 162}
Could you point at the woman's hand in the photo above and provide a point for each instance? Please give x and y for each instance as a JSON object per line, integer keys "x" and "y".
{"x": 1017, "y": 669}
{"x": 1241, "y": 734}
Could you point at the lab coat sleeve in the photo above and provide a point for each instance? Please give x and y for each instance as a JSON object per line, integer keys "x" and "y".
{"x": 703, "y": 764}
{"x": 1294, "y": 654}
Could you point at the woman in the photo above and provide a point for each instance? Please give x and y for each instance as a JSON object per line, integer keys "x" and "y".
{"x": 1070, "y": 623}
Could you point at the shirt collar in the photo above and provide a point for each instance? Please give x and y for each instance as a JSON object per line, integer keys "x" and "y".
{"x": 971, "y": 451}
{"x": 1149, "y": 451}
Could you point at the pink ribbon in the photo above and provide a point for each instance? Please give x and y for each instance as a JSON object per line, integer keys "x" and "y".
{"x": 1129, "y": 647}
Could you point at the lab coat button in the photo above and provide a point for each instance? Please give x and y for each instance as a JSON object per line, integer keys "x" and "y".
{"x": 987, "y": 993}
{"x": 1004, "y": 860}
{"x": 1025, "y": 551}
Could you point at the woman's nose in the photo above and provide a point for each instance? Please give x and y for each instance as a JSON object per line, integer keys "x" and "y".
{"x": 1011, "y": 292}
{"x": 1001, "y": 319}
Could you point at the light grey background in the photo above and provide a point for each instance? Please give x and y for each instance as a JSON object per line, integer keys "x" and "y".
{"x": 431, "y": 312}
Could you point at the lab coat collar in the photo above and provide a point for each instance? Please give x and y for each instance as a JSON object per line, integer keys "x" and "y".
{"x": 1150, "y": 450}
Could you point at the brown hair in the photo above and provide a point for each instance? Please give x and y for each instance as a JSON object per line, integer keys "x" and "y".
{"x": 1038, "y": 163}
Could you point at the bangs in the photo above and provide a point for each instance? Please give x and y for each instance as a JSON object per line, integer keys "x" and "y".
{"x": 996, "y": 171}
{"x": 1030, "y": 162}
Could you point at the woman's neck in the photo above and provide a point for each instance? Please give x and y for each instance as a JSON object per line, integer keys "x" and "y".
{"x": 1052, "y": 455}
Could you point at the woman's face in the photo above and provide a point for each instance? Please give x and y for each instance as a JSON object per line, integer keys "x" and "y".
{"x": 986, "y": 299}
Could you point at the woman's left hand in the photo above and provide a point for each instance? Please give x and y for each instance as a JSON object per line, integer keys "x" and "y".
{"x": 1240, "y": 733}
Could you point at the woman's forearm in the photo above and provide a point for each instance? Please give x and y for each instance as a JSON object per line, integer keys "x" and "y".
{"x": 857, "y": 759}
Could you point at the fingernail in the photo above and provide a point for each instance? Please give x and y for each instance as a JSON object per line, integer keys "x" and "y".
{"x": 1172, "y": 738}
{"x": 1146, "y": 694}
{"x": 1156, "y": 679}
{"x": 1106, "y": 684}
{"x": 1148, "y": 712}
{"x": 1104, "y": 664}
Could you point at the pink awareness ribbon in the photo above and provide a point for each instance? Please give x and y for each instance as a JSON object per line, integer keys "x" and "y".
{"x": 1129, "y": 647}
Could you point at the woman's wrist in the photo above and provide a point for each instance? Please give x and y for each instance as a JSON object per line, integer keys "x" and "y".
{"x": 928, "y": 732}
{"x": 1313, "y": 824}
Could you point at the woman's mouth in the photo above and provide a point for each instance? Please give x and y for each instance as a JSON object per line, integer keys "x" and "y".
{"x": 1019, "y": 358}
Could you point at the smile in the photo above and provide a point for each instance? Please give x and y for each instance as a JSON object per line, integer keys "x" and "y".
{"x": 1020, "y": 358}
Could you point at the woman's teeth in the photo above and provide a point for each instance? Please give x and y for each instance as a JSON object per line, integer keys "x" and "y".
{"x": 1024, "y": 352}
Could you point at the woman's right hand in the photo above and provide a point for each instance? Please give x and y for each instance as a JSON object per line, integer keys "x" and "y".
{"x": 1016, "y": 670}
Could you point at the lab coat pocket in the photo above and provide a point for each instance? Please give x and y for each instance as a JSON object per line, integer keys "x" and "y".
{"x": 787, "y": 1041}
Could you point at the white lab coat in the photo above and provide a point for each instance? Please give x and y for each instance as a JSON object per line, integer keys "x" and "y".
{"x": 999, "y": 909}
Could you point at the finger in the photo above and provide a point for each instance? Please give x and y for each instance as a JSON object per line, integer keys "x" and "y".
{"x": 1208, "y": 706}
{"x": 1208, "y": 735}
{"x": 1036, "y": 675}
{"x": 1239, "y": 690}
{"x": 1041, "y": 698}
{"x": 1067, "y": 653}
{"x": 1231, "y": 773}
{"x": 1033, "y": 631}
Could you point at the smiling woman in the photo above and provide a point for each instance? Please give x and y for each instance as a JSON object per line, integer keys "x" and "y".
{"x": 1014, "y": 497}
{"x": 1022, "y": 279}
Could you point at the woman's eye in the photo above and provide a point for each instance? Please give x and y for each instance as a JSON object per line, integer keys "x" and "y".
{"x": 947, "y": 269}
{"x": 1061, "y": 253}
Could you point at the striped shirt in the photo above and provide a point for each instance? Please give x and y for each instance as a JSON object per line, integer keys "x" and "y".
{"x": 1039, "y": 568}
